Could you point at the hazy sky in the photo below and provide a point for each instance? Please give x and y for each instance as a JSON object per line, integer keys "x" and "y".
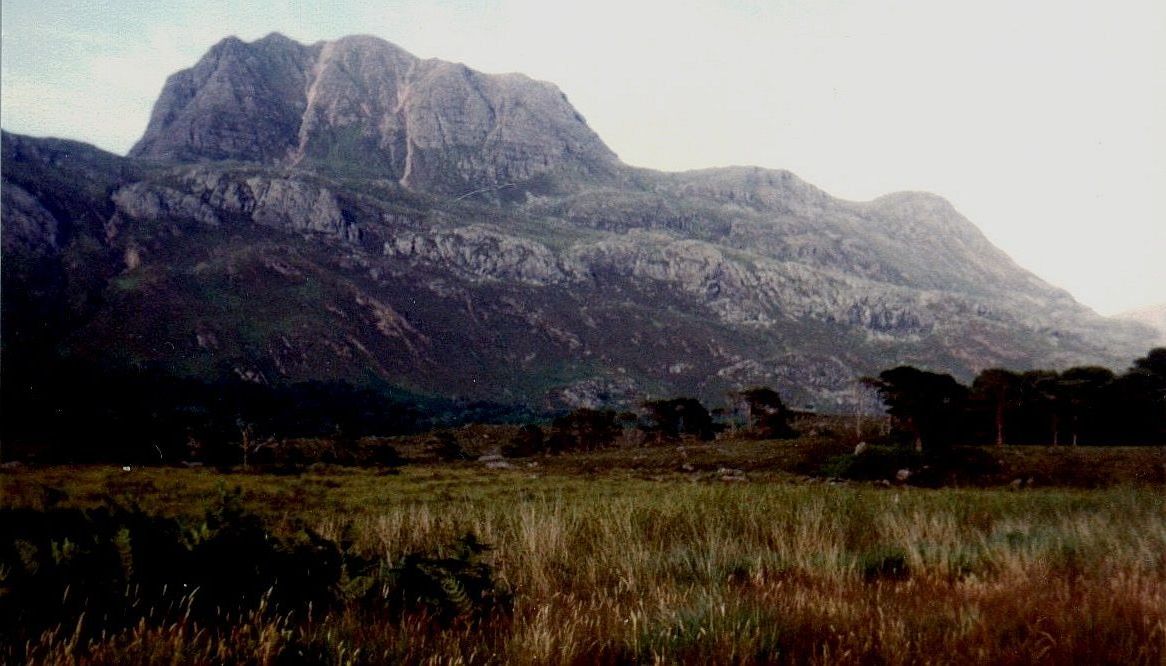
{"x": 1043, "y": 122}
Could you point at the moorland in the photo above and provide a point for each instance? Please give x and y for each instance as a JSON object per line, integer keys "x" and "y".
{"x": 736, "y": 550}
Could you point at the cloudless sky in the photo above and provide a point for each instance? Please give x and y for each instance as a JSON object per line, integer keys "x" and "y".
{"x": 1043, "y": 122}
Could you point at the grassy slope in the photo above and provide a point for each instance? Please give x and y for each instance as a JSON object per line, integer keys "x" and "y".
{"x": 614, "y": 559}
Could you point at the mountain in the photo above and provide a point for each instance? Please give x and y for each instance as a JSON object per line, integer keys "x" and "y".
{"x": 346, "y": 211}
{"x": 1152, "y": 315}
{"x": 361, "y": 103}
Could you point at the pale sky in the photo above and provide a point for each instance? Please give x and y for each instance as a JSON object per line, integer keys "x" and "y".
{"x": 1043, "y": 122}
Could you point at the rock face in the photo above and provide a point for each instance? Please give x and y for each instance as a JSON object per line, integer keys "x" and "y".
{"x": 346, "y": 211}
{"x": 361, "y": 102}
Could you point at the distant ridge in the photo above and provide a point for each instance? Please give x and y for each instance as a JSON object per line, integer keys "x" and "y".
{"x": 1150, "y": 315}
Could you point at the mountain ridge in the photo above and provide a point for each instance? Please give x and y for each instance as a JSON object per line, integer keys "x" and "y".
{"x": 500, "y": 264}
{"x": 1149, "y": 315}
{"x": 276, "y": 101}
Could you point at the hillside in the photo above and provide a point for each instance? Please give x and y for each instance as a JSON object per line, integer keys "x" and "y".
{"x": 1153, "y": 316}
{"x": 346, "y": 211}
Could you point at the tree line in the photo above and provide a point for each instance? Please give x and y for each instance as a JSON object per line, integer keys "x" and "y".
{"x": 1082, "y": 405}
{"x": 71, "y": 411}
{"x": 75, "y": 412}
{"x": 659, "y": 422}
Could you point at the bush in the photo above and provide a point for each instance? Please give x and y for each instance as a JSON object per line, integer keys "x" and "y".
{"x": 884, "y": 564}
{"x": 877, "y": 462}
{"x": 528, "y": 441}
{"x": 383, "y": 455}
{"x": 449, "y": 586}
{"x": 115, "y": 567}
{"x": 120, "y": 564}
{"x": 584, "y": 430}
{"x": 967, "y": 464}
{"x": 444, "y": 446}
{"x": 670, "y": 419}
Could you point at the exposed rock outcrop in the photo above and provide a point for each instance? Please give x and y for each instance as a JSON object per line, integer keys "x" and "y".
{"x": 209, "y": 198}
{"x": 360, "y": 102}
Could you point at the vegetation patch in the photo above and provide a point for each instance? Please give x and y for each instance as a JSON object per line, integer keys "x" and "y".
{"x": 107, "y": 570}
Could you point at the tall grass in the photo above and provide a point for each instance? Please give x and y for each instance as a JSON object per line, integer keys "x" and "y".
{"x": 619, "y": 571}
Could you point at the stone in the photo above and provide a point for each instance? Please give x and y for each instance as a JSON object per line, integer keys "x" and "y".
{"x": 431, "y": 125}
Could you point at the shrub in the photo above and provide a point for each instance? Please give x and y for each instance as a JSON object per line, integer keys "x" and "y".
{"x": 448, "y": 586}
{"x": 669, "y": 419}
{"x": 111, "y": 568}
{"x": 384, "y": 455}
{"x": 877, "y": 462}
{"x": 527, "y": 441}
{"x": 584, "y": 429}
{"x": 884, "y": 563}
{"x": 444, "y": 446}
{"x": 768, "y": 415}
{"x": 967, "y": 464}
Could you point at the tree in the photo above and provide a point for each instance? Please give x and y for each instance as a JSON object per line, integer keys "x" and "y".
{"x": 445, "y": 447}
{"x": 1040, "y": 408}
{"x": 925, "y": 405}
{"x": 679, "y": 416}
{"x": 528, "y": 441}
{"x": 1000, "y": 390}
{"x": 1154, "y": 364}
{"x": 1138, "y": 399}
{"x": 583, "y": 428}
{"x": 865, "y": 401}
{"x": 1081, "y": 391}
{"x": 767, "y": 415}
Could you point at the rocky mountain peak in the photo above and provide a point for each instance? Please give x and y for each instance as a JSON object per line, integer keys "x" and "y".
{"x": 227, "y": 242}
{"x": 430, "y": 124}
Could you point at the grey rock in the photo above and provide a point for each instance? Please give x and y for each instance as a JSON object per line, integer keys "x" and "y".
{"x": 210, "y": 197}
{"x": 153, "y": 202}
{"x": 480, "y": 252}
{"x": 429, "y": 124}
{"x": 28, "y": 226}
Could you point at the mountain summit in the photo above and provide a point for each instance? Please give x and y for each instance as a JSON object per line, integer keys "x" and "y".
{"x": 345, "y": 210}
{"x": 431, "y": 125}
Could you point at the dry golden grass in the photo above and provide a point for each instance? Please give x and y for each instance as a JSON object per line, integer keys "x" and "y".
{"x": 619, "y": 569}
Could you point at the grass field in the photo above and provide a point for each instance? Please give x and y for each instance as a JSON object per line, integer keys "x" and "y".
{"x": 648, "y": 555}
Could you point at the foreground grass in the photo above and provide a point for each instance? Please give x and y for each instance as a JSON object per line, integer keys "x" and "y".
{"x": 616, "y": 568}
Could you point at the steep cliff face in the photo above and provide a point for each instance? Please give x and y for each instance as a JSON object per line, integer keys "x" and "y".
{"x": 362, "y": 103}
{"x": 240, "y": 102}
{"x": 346, "y": 211}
